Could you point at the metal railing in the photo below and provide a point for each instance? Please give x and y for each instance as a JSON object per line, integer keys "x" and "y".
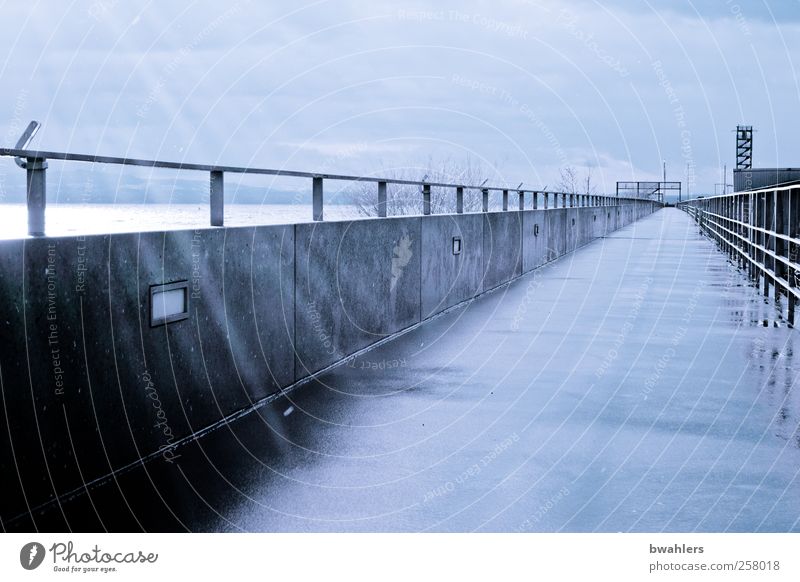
{"x": 35, "y": 163}
{"x": 760, "y": 229}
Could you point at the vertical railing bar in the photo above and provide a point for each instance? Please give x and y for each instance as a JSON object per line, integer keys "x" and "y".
{"x": 382, "y": 199}
{"x": 217, "y": 198}
{"x": 36, "y": 194}
{"x": 317, "y": 202}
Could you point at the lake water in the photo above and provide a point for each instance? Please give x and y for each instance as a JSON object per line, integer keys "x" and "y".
{"x": 75, "y": 219}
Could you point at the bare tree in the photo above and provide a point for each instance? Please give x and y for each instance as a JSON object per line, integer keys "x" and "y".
{"x": 591, "y": 189}
{"x": 404, "y": 199}
{"x": 568, "y": 180}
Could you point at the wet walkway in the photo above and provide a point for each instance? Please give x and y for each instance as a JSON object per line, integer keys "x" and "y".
{"x": 638, "y": 384}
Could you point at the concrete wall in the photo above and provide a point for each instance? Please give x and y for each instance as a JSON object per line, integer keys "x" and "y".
{"x": 535, "y": 251}
{"x": 502, "y": 247}
{"x": 356, "y": 283}
{"x": 572, "y": 228}
{"x": 556, "y": 233}
{"x": 451, "y": 278}
{"x": 89, "y": 387}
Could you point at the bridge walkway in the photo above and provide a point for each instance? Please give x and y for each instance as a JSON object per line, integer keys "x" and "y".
{"x": 638, "y": 384}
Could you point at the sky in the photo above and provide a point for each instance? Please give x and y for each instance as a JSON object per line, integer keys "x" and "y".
{"x": 519, "y": 88}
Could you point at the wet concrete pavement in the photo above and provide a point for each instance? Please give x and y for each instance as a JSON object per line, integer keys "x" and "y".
{"x": 638, "y": 384}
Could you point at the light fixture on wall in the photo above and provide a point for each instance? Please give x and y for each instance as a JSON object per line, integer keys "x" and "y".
{"x": 456, "y": 245}
{"x": 169, "y": 303}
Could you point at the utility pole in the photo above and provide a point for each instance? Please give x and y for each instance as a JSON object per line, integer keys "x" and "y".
{"x": 687, "y": 183}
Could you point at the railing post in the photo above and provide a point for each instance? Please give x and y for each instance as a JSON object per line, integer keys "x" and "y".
{"x": 36, "y": 195}
{"x": 546, "y": 196}
{"x": 765, "y": 242}
{"x": 217, "y": 198}
{"x": 382, "y": 199}
{"x": 521, "y": 200}
{"x": 753, "y": 238}
{"x": 426, "y": 199}
{"x": 485, "y": 193}
{"x": 505, "y": 200}
{"x": 742, "y": 230}
{"x": 792, "y": 220}
{"x": 563, "y": 200}
{"x": 459, "y": 200}
{"x": 779, "y": 227}
{"x": 316, "y": 193}
{"x": 572, "y": 200}
{"x": 535, "y": 200}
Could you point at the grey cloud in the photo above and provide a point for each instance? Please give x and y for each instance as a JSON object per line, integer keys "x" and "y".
{"x": 524, "y": 83}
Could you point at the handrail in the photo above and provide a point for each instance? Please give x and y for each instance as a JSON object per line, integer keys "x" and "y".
{"x": 761, "y": 230}
{"x": 36, "y": 166}
{"x": 776, "y": 188}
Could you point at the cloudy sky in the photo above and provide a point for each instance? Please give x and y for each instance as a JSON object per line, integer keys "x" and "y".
{"x": 523, "y": 87}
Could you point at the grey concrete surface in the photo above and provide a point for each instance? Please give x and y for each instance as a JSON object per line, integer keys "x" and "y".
{"x": 357, "y": 283}
{"x": 535, "y": 250}
{"x": 268, "y": 306}
{"x": 556, "y": 233}
{"x": 639, "y": 384}
{"x": 88, "y": 386}
{"x": 572, "y": 229}
{"x": 502, "y": 247}
{"x": 447, "y": 278}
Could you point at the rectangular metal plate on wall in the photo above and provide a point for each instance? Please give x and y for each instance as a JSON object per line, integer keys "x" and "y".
{"x": 169, "y": 303}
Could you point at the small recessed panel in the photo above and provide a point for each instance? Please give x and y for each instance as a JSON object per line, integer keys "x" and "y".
{"x": 169, "y": 303}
